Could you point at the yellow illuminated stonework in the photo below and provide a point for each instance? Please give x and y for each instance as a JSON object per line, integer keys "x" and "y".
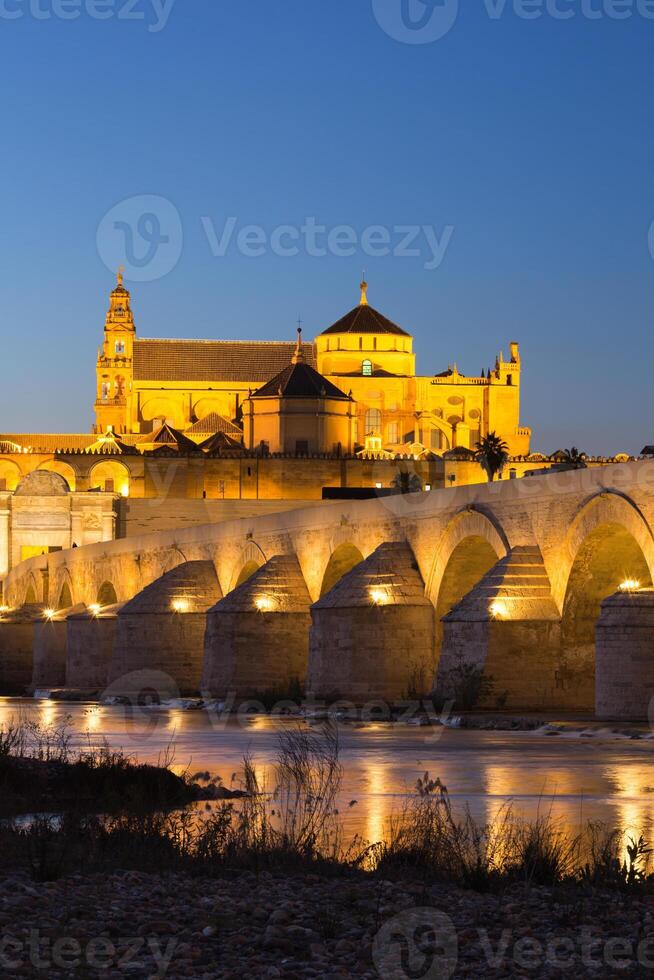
{"x": 369, "y": 358}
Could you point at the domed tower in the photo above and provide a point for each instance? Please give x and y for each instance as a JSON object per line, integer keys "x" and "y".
{"x": 376, "y": 357}
{"x": 299, "y": 412}
{"x": 114, "y": 364}
{"x": 365, "y": 343}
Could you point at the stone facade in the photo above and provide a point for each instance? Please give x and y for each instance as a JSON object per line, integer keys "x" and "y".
{"x": 51, "y": 648}
{"x": 91, "y": 637}
{"x": 162, "y": 628}
{"x": 257, "y": 638}
{"x": 372, "y": 635}
{"x": 625, "y": 657}
{"x": 17, "y": 629}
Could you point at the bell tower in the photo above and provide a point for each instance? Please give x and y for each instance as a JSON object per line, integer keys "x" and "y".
{"x": 114, "y": 365}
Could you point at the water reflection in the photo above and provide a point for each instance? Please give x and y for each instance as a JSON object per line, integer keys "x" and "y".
{"x": 574, "y": 779}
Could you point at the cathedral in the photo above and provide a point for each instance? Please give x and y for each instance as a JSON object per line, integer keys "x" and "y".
{"x": 353, "y": 389}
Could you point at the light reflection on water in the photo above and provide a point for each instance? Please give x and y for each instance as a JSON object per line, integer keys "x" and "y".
{"x": 575, "y": 779}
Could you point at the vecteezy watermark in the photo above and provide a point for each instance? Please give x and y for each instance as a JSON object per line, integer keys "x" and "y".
{"x": 423, "y": 943}
{"x": 144, "y": 234}
{"x": 416, "y": 943}
{"x": 416, "y": 21}
{"x": 426, "y": 21}
{"x": 45, "y": 953}
{"x": 153, "y": 13}
{"x": 317, "y": 240}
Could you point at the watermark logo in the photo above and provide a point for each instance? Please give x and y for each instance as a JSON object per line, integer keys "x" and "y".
{"x": 153, "y": 13}
{"x": 420, "y": 944}
{"x": 144, "y": 234}
{"x": 318, "y": 240}
{"x": 416, "y": 21}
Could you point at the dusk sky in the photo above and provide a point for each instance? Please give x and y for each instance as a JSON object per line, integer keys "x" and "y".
{"x": 520, "y": 150}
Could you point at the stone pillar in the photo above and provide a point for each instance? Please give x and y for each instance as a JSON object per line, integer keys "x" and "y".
{"x": 624, "y": 676}
{"x": 162, "y": 628}
{"x": 90, "y": 645}
{"x": 5, "y": 515}
{"x": 17, "y": 648}
{"x": 257, "y": 638}
{"x": 372, "y": 635}
{"x": 50, "y": 649}
{"x": 502, "y": 643}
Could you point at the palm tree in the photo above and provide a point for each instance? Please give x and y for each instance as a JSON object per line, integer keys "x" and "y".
{"x": 493, "y": 454}
{"x": 406, "y": 482}
{"x": 574, "y": 457}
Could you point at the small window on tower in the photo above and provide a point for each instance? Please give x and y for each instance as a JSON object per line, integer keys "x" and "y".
{"x": 120, "y": 346}
{"x": 366, "y": 369}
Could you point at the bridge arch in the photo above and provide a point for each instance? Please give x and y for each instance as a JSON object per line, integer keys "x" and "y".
{"x": 342, "y": 560}
{"x": 608, "y": 543}
{"x": 469, "y": 547}
{"x": 107, "y": 595}
{"x": 249, "y": 561}
{"x": 470, "y": 532}
{"x": 607, "y": 509}
{"x": 32, "y": 590}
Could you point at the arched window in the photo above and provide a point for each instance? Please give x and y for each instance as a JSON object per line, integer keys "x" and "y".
{"x": 373, "y": 422}
{"x": 366, "y": 369}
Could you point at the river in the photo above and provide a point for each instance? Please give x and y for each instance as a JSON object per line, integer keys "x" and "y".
{"x": 599, "y": 776}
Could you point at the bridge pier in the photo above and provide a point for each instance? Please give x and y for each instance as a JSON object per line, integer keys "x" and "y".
{"x": 502, "y": 642}
{"x": 90, "y": 640}
{"x": 624, "y": 676}
{"x": 257, "y": 638}
{"x": 50, "y": 649}
{"x": 17, "y": 628}
{"x": 162, "y": 628}
{"x": 372, "y": 636}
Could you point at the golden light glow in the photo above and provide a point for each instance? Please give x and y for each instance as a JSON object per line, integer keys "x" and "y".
{"x": 49, "y": 613}
{"x": 124, "y": 490}
{"x": 379, "y": 597}
{"x": 630, "y": 585}
{"x": 4, "y": 609}
{"x": 95, "y": 608}
{"x": 499, "y": 609}
{"x": 264, "y": 603}
{"x": 180, "y": 605}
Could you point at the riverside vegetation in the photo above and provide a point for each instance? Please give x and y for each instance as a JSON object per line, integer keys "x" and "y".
{"x": 141, "y": 844}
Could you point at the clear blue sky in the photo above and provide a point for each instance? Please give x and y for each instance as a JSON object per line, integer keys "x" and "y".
{"x": 533, "y": 139}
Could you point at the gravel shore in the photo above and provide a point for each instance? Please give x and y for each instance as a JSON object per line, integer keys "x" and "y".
{"x": 247, "y": 926}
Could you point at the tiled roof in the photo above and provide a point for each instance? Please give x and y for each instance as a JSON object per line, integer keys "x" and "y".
{"x": 365, "y": 319}
{"x": 168, "y": 438}
{"x": 299, "y": 381}
{"x": 213, "y": 360}
{"x": 213, "y": 422}
{"x": 49, "y": 442}
{"x": 220, "y": 442}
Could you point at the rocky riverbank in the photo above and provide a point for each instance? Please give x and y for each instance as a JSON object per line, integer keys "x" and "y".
{"x": 300, "y": 926}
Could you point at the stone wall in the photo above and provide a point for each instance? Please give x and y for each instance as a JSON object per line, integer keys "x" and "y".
{"x": 17, "y": 648}
{"x": 90, "y": 647}
{"x": 257, "y": 638}
{"x": 162, "y": 628}
{"x": 625, "y": 657}
{"x": 372, "y": 635}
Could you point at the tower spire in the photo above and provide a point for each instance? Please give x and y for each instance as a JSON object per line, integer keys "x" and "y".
{"x": 298, "y": 354}
{"x": 119, "y": 275}
{"x": 364, "y": 292}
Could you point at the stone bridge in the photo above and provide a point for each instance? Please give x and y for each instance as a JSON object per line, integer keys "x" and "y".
{"x": 507, "y": 594}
